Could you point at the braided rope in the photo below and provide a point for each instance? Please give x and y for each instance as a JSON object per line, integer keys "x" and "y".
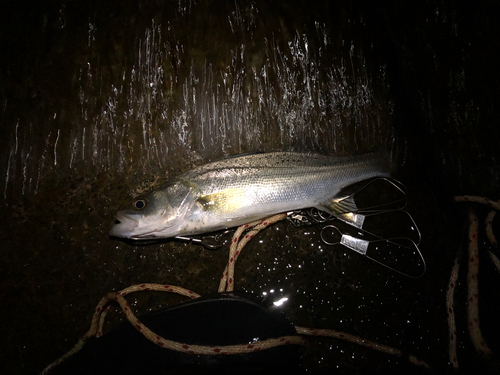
{"x": 489, "y": 228}
{"x": 98, "y": 319}
{"x": 102, "y": 309}
{"x": 226, "y": 284}
{"x": 472, "y": 290}
{"x": 141, "y": 288}
{"x": 495, "y": 260}
{"x": 489, "y": 218}
{"x": 492, "y": 238}
{"x": 472, "y": 279}
{"x": 482, "y": 200}
{"x": 234, "y": 252}
{"x": 118, "y": 297}
{"x": 237, "y": 244}
{"x": 199, "y": 349}
{"x": 360, "y": 341}
{"x": 450, "y": 307}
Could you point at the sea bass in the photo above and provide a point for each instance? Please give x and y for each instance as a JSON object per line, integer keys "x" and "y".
{"x": 241, "y": 189}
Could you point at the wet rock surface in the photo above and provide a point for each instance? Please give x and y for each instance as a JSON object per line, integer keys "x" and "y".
{"x": 99, "y": 103}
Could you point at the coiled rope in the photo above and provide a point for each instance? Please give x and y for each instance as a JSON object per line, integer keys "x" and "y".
{"x": 472, "y": 280}
{"x": 226, "y": 284}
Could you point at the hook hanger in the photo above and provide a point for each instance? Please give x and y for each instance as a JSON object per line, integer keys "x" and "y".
{"x": 399, "y": 254}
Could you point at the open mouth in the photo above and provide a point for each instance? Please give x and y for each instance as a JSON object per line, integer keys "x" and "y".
{"x": 145, "y": 236}
{"x": 124, "y": 226}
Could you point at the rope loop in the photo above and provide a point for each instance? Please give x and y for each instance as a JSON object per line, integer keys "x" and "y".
{"x": 226, "y": 285}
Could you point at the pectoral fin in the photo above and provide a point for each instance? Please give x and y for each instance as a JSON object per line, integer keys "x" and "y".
{"x": 225, "y": 201}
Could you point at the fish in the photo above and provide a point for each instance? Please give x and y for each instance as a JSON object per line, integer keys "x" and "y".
{"x": 241, "y": 189}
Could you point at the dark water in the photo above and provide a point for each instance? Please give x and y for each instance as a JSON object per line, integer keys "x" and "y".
{"x": 101, "y": 102}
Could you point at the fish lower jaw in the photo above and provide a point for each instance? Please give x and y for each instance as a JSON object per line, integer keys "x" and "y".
{"x": 123, "y": 230}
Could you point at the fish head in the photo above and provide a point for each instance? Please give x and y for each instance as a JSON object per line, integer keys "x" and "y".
{"x": 154, "y": 215}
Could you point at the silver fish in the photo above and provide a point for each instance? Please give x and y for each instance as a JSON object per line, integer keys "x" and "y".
{"x": 238, "y": 190}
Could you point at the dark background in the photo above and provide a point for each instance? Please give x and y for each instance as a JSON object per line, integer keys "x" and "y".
{"x": 101, "y": 101}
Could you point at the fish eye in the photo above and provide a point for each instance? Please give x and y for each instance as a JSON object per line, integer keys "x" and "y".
{"x": 140, "y": 203}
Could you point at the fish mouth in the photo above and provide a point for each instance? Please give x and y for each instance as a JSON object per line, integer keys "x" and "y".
{"x": 125, "y": 225}
{"x": 145, "y": 236}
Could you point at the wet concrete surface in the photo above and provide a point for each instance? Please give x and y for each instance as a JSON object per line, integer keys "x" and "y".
{"x": 96, "y": 109}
